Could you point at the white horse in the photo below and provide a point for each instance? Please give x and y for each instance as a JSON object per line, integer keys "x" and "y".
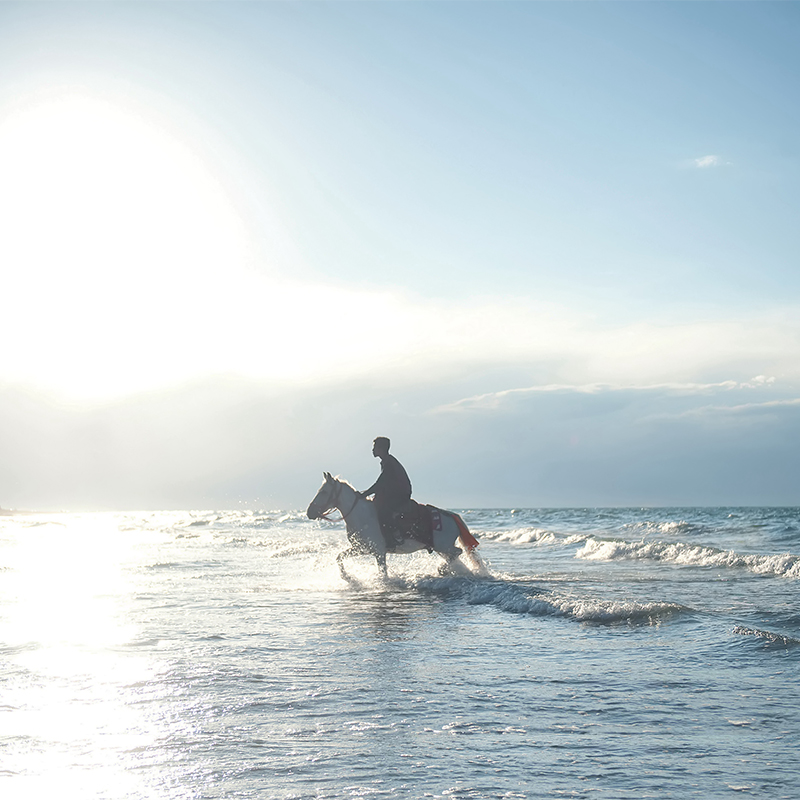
{"x": 364, "y": 531}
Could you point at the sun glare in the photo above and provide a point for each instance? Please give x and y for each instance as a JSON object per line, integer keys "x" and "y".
{"x": 126, "y": 266}
{"x": 66, "y": 598}
{"x": 111, "y": 228}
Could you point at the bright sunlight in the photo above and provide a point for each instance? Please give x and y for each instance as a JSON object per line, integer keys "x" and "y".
{"x": 110, "y": 224}
{"x": 126, "y": 266}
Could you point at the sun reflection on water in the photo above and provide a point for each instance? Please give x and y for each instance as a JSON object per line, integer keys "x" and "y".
{"x": 70, "y": 723}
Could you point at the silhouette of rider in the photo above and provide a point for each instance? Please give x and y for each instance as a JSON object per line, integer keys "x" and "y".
{"x": 392, "y": 490}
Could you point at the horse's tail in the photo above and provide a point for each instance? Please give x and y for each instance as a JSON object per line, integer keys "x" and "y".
{"x": 467, "y": 539}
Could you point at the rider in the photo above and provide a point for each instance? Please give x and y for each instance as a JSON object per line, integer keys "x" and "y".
{"x": 392, "y": 490}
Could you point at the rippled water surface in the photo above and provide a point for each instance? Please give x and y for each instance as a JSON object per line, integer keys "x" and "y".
{"x": 607, "y": 653}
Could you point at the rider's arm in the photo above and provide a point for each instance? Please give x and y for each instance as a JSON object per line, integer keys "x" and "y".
{"x": 375, "y": 486}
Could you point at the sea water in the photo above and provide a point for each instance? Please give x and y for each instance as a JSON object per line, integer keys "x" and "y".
{"x": 599, "y": 653}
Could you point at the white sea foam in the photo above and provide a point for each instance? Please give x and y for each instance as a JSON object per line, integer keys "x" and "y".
{"x": 534, "y": 536}
{"x": 784, "y": 565}
{"x": 519, "y": 536}
{"x": 521, "y": 600}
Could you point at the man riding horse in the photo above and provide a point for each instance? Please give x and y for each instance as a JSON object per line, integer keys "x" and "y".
{"x": 392, "y": 490}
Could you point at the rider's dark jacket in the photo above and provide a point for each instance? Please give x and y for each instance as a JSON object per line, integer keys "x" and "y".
{"x": 393, "y": 488}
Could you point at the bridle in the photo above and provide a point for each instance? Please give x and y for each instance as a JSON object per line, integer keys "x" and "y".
{"x": 334, "y": 499}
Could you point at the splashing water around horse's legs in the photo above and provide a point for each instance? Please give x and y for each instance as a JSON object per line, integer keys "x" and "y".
{"x": 364, "y": 532}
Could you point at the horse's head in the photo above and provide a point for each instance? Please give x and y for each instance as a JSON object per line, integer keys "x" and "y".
{"x": 324, "y": 499}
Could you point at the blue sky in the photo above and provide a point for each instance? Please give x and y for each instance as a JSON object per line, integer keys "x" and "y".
{"x": 549, "y": 248}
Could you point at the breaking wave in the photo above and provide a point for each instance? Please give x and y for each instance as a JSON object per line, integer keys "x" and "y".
{"x": 769, "y": 638}
{"x": 646, "y": 528}
{"x": 536, "y": 536}
{"x": 517, "y": 599}
{"x": 784, "y": 565}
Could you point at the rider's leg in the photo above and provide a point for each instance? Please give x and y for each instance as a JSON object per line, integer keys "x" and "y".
{"x": 388, "y": 524}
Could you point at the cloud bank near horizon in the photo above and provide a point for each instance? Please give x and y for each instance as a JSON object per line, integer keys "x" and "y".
{"x": 229, "y": 444}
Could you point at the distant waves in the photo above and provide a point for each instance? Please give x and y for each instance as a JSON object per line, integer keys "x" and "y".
{"x": 784, "y": 565}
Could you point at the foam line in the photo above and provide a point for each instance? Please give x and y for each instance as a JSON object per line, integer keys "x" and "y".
{"x": 784, "y": 565}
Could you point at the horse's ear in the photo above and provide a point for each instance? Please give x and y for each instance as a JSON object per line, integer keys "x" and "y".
{"x": 326, "y": 475}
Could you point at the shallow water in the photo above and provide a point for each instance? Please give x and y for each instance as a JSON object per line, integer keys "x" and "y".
{"x": 603, "y": 653}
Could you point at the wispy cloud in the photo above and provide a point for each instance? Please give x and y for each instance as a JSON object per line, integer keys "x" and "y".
{"x": 742, "y": 408}
{"x": 493, "y": 400}
{"x": 705, "y": 162}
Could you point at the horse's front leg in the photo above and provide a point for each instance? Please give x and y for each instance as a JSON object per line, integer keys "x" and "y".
{"x": 381, "y": 559}
{"x": 350, "y": 551}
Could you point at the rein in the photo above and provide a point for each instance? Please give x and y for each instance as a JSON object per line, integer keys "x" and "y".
{"x": 335, "y": 499}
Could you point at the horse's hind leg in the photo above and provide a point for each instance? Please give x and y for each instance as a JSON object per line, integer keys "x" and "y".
{"x": 450, "y": 562}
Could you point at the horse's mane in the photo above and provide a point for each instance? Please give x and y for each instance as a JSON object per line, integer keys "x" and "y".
{"x": 346, "y": 483}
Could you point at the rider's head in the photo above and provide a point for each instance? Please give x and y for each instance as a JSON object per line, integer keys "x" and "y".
{"x": 380, "y": 446}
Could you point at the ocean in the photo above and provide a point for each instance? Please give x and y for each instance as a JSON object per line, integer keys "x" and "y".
{"x": 600, "y": 653}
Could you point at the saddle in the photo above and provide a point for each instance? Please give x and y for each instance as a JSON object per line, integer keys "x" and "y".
{"x": 417, "y": 521}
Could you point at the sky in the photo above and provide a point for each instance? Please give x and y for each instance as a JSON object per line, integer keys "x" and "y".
{"x": 549, "y": 248}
